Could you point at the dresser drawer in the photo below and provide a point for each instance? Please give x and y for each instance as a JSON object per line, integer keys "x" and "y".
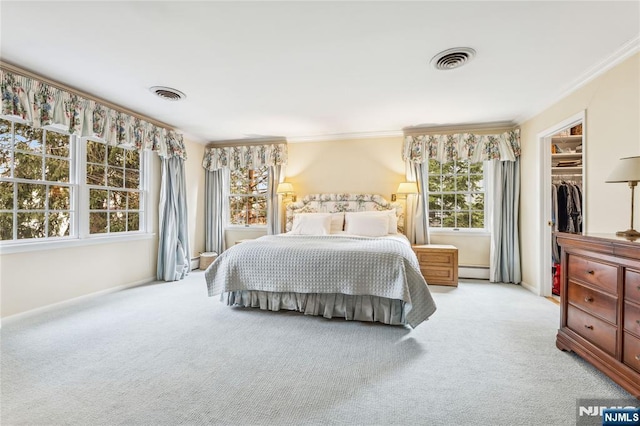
{"x": 594, "y": 302}
{"x": 596, "y": 273}
{"x": 632, "y": 318}
{"x": 593, "y": 329}
{"x": 632, "y": 286}
{"x": 631, "y": 352}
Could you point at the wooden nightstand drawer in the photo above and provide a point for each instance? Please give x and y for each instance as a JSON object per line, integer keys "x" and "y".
{"x": 435, "y": 274}
{"x": 594, "y": 302}
{"x": 593, "y": 272}
{"x": 426, "y": 257}
{"x": 595, "y": 330}
{"x": 438, "y": 263}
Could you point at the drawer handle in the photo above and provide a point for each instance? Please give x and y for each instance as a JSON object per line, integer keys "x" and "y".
{"x": 588, "y": 299}
{"x": 590, "y": 327}
{"x": 637, "y": 357}
{"x": 590, "y": 272}
{"x": 638, "y": 321}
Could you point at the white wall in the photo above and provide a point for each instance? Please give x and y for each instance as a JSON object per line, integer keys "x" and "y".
{"x": 36, "y": 279}
{"x": 194, "y": 174}
{"x": 612, "y": 131}
{"x": 374, "y": 166}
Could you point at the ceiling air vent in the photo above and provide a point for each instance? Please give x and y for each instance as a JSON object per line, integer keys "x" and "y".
{"x": 453, "y": 58}
{"x": 167, "y": 93}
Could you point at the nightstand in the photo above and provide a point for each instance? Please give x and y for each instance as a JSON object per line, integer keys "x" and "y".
{"x": 438, "y": 263}
{"x": 243, "y": 240}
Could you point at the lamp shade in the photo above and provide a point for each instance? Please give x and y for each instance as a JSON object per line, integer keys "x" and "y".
{"x": 627, "y": 170}
{"x": 285, "y": 188}
{"x": 407, "y": 188}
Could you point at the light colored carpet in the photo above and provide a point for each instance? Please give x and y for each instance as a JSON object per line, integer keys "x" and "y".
{"x": 166, "y": 354}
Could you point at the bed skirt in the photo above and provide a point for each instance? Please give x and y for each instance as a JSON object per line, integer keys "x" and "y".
{"x": 328, "y": 305}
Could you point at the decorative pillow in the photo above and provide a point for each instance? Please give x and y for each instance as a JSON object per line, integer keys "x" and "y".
{"x": 390, "y": 214}
{"x": 367, "y": 225}
{"x": 337, "y": 222}
{"x": 311, "y": 224}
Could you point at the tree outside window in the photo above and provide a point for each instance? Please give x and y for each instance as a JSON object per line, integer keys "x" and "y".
{"x": 115, "y": 197}
{"x": 456, "y": 195}
{"x": 248, "y": 196}
{"x": 36, "y": 188}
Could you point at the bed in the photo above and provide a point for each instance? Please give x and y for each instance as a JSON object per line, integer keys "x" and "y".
{"x": 343, "y": 256}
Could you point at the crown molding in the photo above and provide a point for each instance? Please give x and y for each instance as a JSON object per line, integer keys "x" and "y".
{"x": 345, "y": 136}
{"x": 624, "y": 52}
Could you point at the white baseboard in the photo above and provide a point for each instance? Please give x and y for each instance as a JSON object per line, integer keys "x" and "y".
{"x": 69, "y": 302}
{"x": 529, "y": 287}
{"x": 477, "y": 272}
{"x": 195, "y": 263}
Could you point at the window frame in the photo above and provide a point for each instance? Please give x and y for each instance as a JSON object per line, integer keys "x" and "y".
{"x": 79, "y": 202}
{"x": 231, "y": 194}
{"x": 464, "y": 230}
{"x": 71, "y": 184}
{"x": 143, "y": 189}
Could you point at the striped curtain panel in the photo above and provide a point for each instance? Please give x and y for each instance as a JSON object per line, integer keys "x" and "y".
{"x": 174, "y": 257}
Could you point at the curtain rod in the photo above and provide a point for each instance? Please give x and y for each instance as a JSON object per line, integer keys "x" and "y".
{"x": 246, "y": 142}
{"x": 479, "y": 129}
{"x": 17, "y": 70}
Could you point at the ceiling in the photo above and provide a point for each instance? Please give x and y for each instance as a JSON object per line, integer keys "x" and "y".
{"x": 308, "y": 70}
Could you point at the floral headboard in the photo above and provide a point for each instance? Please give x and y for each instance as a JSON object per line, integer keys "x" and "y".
{"x": 334, "y": 203}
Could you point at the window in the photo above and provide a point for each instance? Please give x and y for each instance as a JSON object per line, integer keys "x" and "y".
{"x": 248, "y": 196}
{"x": 115, "y": 195}
{"x": 456, "y": 195}
{"x": 36, "y": 183}
{"x": 52, "y": 189}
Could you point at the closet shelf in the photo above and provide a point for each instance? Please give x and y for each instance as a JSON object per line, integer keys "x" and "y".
{"x": 572, "y": 138}
{"x": 567, "y": 155}
{"x": 563, "y": 170}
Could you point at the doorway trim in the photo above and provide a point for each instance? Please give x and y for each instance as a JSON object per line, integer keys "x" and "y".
{"x": 544, "y": 215}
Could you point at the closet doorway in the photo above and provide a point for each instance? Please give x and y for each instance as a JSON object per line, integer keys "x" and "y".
{"x": 562, "y": 177}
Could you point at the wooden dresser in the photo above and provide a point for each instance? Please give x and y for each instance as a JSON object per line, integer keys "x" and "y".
{"x": 600, "y": 304}
{"x": 438, "y": 263}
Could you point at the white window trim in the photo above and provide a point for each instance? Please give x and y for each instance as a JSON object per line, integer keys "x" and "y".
{"x": 486, "y": 230}
{"x": 247, "y": 227}
{"x": 79, "y": 233}
{"x": 68, "y": 242}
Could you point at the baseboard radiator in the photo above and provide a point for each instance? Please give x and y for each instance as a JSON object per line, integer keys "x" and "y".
{"x": 475, "y": 272}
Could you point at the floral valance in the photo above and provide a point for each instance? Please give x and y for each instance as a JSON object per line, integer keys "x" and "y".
{"x": 239, "y": 156}
{"x": 41, "y": 104}
{"x": 462, "y": 146}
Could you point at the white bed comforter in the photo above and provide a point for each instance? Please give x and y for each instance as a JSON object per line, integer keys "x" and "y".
{"x": 384, "y": 267}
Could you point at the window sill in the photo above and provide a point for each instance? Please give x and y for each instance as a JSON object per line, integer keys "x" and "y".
{"x": 23, "y": 247}
{"x": 465, "y": 232}
{"x": 245, "y": 227}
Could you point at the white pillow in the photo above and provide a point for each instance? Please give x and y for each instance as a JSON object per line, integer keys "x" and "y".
{"x": 311, "y": 224}
{"x": 391, "y": 214}
{"x": 337, "y": 222}
{"x": 367, "y": 225}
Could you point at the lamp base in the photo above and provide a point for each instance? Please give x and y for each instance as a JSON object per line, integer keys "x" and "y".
{"x": 629, "y": 233}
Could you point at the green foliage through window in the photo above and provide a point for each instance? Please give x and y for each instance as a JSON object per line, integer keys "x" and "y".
{"x": 456, "y": 195}
{"x": 113, "y": 178}
{"x": 41, "y": 193}
{"x": 248, "y": 196}
{"x": 35, "y": 183}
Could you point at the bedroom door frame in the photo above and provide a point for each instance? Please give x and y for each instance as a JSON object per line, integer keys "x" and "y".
{"x": 545, "y": 227}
